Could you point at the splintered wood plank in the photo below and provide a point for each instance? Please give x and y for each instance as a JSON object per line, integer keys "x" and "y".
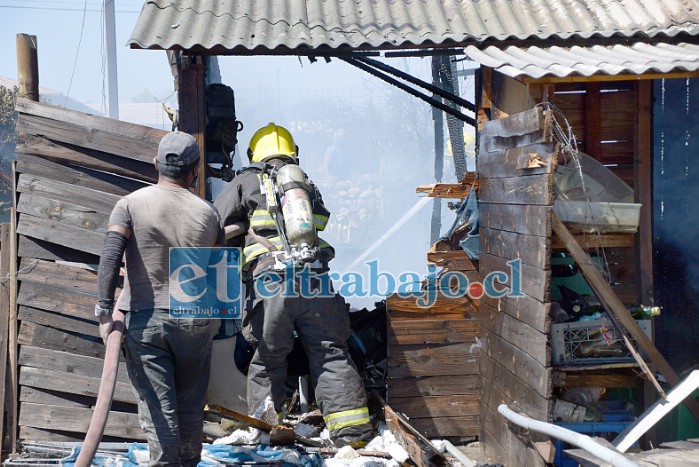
{"x": 62, "y": 153}
{"x": 529, "y": 121}
{"x": 33, "y": 248}
{"x": 513, "y": 389}
{"x": 65, "y": 213}
{"x": 437, "y": 406}
{"x": 91, "y": 131}
{"x": 50, "y": 338}
{"x": 526, "y": 160}
{"x": 530, "y": 280}
{"x": 524, "y": 219}
{"x": 444, "y": 190}
{"x": 77, "y": 419}
{"x": 432, "y": 385}
{"x": 451, "y": 359}
{"x": 62, "y": 234}
{"x": 518, "y": 362}
{"x": 44, "y": 378}
{"x": 421, "y": 455}
{"x": 519, "y": 334}
{"x": 44, "y": 297}
{"x": 528, "y": 189}
{"x": 498, "y": 144}
{"x": 61, "y": 276}
{"x": 431, "y": 331}
{"x": 532, "y": 250}
{"x": 75, "y": 195}
{"x": 432, "y": 301}
{"x": 77, "y": 175}
{"x": 525, "y": 309}
{"x": 447, "y": 426}
{"x": 454, "y": 260}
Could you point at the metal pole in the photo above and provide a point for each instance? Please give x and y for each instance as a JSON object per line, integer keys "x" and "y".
{"x": 112, "y": 80}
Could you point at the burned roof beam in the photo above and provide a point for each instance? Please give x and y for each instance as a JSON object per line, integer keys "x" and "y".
{"x": 418, "y": 82}
{"x": 413, "y": 92}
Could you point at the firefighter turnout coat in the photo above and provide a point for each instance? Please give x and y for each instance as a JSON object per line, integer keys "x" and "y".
{"x": 321, "y": 323}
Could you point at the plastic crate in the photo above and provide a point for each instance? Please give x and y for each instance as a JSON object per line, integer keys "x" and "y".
{"x": 616, "y": 416}
{"x": 569, "y": 342}
{"x": 603, "y": 217}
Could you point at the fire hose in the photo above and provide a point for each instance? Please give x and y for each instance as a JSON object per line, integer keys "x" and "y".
{"x": 104, "y": 394}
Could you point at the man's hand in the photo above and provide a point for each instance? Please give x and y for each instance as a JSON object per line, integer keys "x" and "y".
{"x": 106, "y": 327}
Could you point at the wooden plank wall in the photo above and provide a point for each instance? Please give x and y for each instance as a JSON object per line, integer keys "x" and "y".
{"x": 72, "y": 169}
{"x": 433, "y": 364}
{"x": 515, "y": 205}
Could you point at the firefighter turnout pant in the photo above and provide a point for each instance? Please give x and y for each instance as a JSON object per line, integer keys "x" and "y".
{"x": 323, "y": 327}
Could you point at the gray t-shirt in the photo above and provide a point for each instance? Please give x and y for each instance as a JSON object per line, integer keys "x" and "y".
{"x": 159, "y": 218}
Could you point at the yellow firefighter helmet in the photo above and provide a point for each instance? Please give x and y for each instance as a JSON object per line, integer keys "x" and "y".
{"x": 272, "y": 141}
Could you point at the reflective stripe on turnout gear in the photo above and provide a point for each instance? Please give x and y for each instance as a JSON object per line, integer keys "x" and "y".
{"x": 256, "y": 249}
{"x": 262, "y": 219}
{"x": 320, "y": 221}
{"x": 338, "y": 420}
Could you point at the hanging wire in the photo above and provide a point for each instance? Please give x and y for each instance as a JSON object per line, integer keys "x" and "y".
{"x": 569, "y": 150}
{"x": 77, "y": 52}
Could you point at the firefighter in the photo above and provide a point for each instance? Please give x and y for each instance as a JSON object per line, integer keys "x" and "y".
{"x": 321, "y": 323}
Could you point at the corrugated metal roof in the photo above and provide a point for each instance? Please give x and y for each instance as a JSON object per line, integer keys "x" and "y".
{"x": 285, "y": 26}
{"x": 639, "y": 58}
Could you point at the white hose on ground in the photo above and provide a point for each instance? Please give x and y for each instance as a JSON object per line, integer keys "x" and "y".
{"x": 578, "y": 439}
{"x": 104, "y": 394}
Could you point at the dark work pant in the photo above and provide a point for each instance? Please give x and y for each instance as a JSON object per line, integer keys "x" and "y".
{"x": 168, "y": 361}
{"x": 322, "y": 324}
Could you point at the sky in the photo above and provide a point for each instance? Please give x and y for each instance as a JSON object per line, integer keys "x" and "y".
{"x": 333, "y": 96}
{"x": 72, "y": 59}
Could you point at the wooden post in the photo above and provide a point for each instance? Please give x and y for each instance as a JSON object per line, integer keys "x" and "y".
{"x": 4, "y": 317}
{"x": 192, "y": 103}
{"x": 643, "y": 163}
{"x": 27, "y": 67}
{"x": 614, "y": 305}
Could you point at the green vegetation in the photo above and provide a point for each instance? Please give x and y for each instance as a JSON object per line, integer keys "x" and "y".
{"x": 8, "y": 140}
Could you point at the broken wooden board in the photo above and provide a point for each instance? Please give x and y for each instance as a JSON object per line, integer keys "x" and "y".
{"x": 420, "y": 450}
{"x": 444, "y": 190}
{"x": 520, "y": 161}
{"x": 123, "y": 139}
{"x": 453, "y": 260}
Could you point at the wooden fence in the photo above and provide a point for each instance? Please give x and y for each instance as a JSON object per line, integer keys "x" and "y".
{"x": 72, "y": 169}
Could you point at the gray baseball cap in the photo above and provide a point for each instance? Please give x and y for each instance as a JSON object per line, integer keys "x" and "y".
{"x": 178, "y": 148}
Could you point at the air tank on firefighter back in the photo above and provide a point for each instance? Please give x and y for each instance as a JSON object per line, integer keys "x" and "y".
{"x": 298, "y": 211}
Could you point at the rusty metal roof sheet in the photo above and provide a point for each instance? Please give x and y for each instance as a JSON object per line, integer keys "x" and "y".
{"x": 289, "y": 26}
{"x": 538, "y": 62}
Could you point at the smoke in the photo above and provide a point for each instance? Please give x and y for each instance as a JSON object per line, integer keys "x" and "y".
{"x": 365, "y": 144}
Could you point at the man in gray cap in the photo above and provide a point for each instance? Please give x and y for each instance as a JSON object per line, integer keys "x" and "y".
{"x": 168, "y": 359}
